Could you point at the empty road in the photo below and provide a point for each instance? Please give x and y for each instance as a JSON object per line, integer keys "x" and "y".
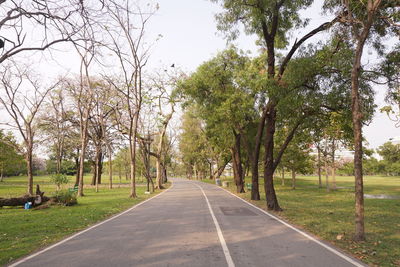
{"x": 191, "y": 224}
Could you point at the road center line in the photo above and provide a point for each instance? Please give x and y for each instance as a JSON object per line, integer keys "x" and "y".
{"x": 220, "y": 235}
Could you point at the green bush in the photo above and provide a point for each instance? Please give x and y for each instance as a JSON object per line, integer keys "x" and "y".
{"x": 66, "y": 198}
{"x": 59, "y": 179}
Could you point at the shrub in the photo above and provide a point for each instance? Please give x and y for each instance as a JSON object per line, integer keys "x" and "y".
{"x": 59, "y": 179}
{"x": 66, "y": 198}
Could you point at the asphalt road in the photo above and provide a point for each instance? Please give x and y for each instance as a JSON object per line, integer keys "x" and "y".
{"x": 191, "y": 224}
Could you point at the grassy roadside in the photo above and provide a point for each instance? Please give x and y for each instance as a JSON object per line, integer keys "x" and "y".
{"x": 330, "y": 215}
{"x": 24, "y": 231}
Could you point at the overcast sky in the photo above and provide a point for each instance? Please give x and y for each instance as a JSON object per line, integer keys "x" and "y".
{"x": 190, "y": 37}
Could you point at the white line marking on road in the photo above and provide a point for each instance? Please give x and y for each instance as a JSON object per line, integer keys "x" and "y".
{"x": 84, "y": 231}
{"x": 220, "y": 235}
{"x": 343, "y": 256}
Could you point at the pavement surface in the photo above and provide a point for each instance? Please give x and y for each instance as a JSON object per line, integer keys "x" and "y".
{"x": 191, "y": 224}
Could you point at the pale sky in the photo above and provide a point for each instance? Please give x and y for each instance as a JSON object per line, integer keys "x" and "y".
{"x": 190, "y": 37}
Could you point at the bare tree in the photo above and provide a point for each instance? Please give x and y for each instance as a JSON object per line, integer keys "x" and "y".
{"x": 55, "y": 126}
{"x": 32, "y": 25}
{"x": 125, "y": 26}
{"x": 22, "y": 99}
{"x": 100, "y": 127}
{"x": 163, "y": 83}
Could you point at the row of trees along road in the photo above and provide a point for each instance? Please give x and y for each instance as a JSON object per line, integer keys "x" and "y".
{"x": 89, "y": 115}
{"x": 290, "y": 88}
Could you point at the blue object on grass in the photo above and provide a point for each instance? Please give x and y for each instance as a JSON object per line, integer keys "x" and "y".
{"x": 28, "y": 205}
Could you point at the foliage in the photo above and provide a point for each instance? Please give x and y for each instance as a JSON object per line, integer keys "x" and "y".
{"x": 68, "y": 167}
{"x": 252, "y": 14}
{"x": 11, "y": 162}
{"x": 66, "y": 197}
{"x": 390, "y": 152}
{"x": 59, "y": 179}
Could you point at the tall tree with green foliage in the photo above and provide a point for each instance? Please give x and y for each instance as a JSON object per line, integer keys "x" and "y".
{"x": 272, "y": 22}
{"x": 224, "y": 103}
{"x": 364, "y": 22}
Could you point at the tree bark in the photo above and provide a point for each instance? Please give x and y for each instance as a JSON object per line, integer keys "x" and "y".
{"x": 97, "y": 170}
{"x": 84, "y": 140}
{"x": 237, "y": 164}
{"x": 77, "y": 168}
{"x": 29, "y": 168}
{"x": 357, "y": 116}
{"x": 255, "y": 191}
{"x": 36, "y": 200}
{"x": 272, "y": 201}
{"x": 357, "y": 132}
{"x": 110, "y": 167}
{"x": 132, "y": 150}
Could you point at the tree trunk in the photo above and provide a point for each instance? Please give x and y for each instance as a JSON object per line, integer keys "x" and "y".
{"x": 159, "y": 173}
{"x": 255, "y": 191}
{"x": 1, "y": 174}
{"x": 84, "y": 140}
{"x": 319, "y": 167}
{"x": 36, "y": 200}
{"x": 357, "y": 132}
{"x": 100, "y": 164}
{"x": 272, "y": 201}
{"x": 165, "y": 177}
{"x": 293, "y": 179}
{"x": 94, "y": 171}
{"x": 237, "y": 165}
{"x": 283, "y": 176}
{"x": 58, "y": 167}
{"x": 221, "y": 169}
{"x": 132, "y": 148}
{"x": 97, "y": 169}
{"x": 327, "y": 174}
{"x": 333, "y": 166}
{"x": 210, "y": 170}
{"x": 110, "y": 168}
{"x": 29, "y": 167}
{"x": 77, "y": 168}
{"x": 195, "y": 171}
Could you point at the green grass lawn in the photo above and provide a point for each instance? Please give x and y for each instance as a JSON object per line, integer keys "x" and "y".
{"x": 24, "y": 231}
{"x": 330, "y": 214}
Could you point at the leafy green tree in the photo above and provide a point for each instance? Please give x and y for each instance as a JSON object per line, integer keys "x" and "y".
{"x": 363, "y": 22}
{"x": 390, "y": 152}
{"x": 224, "y": 103}
{"x": 193, "y": 144}
{"x": 11, "y": 162}
{"x": 297, "y": 158}
{"x": 273, "y": 22}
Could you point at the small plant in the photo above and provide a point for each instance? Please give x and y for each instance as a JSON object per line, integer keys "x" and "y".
{"x": 66, "y": 198}
{"x": 59, "y": 179}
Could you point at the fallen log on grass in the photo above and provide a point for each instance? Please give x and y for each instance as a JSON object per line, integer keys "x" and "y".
{"x": 36, "y": 200}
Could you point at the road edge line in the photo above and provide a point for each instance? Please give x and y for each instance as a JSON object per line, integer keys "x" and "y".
{"x": 222, "y": 241}
{"x": 85, "y": 230}
{"x": 334, "y": 251}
